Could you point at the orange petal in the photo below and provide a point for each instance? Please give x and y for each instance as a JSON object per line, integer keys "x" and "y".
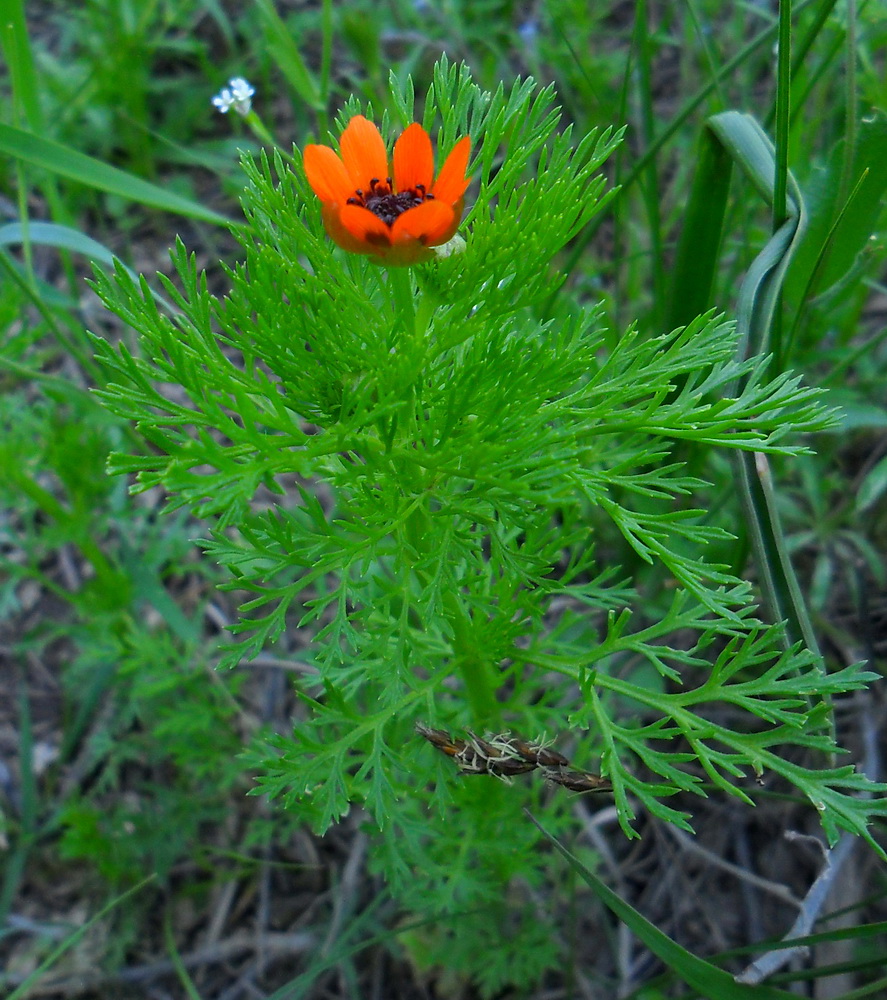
{"x": 450, "y": 231}
{"x": 363, "y": 152}
{"x": 369, "y": 230}
{"x": 427, "y": 224}
{"x": 337, "y": 232}
{"x": 451, "y": 183}
{"x": 326, "y": 174}
{"x": 413, "y": 159}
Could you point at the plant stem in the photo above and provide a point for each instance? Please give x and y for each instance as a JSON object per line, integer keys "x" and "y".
{"x": 326, "y": 62}
{"x": 400, "y": 281}
{"x": 411, "y": 322}
{"x": 260, "y": 131}
{"x": 780, "y": 180}
{"x": 783, "y": 105}
{"x": 468, "y": 659}
{"x": 471, "y": 663}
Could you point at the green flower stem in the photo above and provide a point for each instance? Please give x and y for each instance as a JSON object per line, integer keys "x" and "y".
{"x": 259, "y": 130}
{"x": 472, "y": 665}
{"x": 327, "y": 26}
{"x": 467, "y": 658}
{"x": 400, "y": 281}
{"x": 469, "y": 661}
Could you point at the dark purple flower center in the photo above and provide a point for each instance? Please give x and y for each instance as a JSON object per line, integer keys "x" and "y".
{"x": 384, "y": 203}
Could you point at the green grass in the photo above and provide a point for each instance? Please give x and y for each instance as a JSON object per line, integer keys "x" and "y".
{"x": 135, "y": 755}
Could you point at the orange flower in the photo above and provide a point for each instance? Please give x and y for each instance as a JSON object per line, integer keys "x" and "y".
{"x": 398, "y": 215}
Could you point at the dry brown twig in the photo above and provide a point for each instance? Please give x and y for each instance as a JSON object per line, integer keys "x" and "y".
{"x": 504, "y": 756}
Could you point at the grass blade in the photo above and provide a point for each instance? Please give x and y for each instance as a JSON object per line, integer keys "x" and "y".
{"x": 23, "y": 989}
{"x": 20, "y": 59}
{"x": 752, "y": 151}
{"x": 64, "y": 238}
{"x": 696, "y": 260}
{"x": 759, "y": 296}
{"x": 83, "y": 169}
{"x": 707, "y": 979}
{"x": 287, "y": 57}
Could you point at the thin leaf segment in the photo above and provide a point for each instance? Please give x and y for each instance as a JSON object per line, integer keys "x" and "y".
{"x": 397, "y": 215}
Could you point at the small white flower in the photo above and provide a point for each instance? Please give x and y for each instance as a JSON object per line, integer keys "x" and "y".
{"x": 236, "y": 95}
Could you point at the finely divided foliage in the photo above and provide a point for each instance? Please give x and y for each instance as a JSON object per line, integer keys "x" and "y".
{"x": 467, "y": 452}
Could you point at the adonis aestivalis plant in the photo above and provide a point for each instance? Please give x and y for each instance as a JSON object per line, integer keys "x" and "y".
{"x": 410, "y": 470}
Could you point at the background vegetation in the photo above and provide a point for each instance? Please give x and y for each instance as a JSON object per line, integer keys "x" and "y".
{"x": 121, "y": 741}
